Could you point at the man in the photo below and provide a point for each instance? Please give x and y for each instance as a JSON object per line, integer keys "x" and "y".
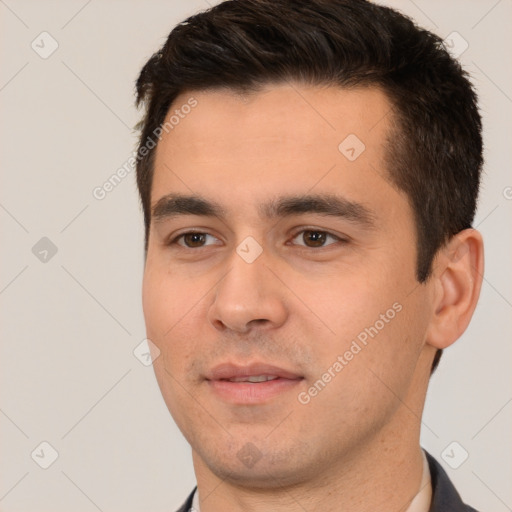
{"x": 308, "y": 172}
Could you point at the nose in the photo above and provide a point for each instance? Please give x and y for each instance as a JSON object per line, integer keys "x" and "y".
{"x": 249, "y": 295}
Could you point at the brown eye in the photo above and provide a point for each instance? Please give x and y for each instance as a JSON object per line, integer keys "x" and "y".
{"x": 314, "y": 238}
{"x": 194, "y": 239}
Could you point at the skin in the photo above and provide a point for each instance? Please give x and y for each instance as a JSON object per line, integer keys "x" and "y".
{"x": 355, "y": 445}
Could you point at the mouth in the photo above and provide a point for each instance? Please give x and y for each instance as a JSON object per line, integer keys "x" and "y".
{"x": 255, "y": 379}
{"x": 255, "y": 383}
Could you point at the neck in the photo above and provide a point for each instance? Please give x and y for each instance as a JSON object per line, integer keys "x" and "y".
{"x": 385, "y": 477}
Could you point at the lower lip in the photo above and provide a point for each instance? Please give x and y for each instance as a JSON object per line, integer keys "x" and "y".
{"x": 251, "y": 393}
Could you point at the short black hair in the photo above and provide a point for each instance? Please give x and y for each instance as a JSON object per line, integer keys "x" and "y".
{"x": 434, "y": 149}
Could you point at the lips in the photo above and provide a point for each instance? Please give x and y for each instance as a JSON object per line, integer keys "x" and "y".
{"x": 255, "y": 372}
{"x": 254, "y": 384}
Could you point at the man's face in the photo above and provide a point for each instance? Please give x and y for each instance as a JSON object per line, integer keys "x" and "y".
{"x": 284, "y": 283}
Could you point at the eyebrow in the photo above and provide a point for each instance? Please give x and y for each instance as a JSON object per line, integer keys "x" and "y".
{"x": 174, "y": 205}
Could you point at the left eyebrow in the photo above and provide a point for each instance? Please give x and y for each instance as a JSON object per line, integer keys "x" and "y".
{"x": 173, "y": 205}
{"x": 323, "y": 204}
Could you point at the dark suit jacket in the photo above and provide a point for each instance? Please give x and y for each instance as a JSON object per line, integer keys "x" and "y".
{"x": 444, "y": 496}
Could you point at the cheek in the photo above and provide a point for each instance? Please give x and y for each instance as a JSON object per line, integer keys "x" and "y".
{"x": 165, "y": 298}
{"x": 373, "y": 310}
{"x": 372, "y": 358}
{"x": 173, "y": 306}
{"x": 392, "y": 342}
{"x": 349, "y": 302}
{"x": 157, "y": 306}
{"x": 165, "y": 304}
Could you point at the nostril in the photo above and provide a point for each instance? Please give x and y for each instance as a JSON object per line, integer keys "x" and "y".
{"x": 259, "y": 321}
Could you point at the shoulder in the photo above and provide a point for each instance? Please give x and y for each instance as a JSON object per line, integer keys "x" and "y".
{"x": 188, "y": 502}
{"x": 444, "y": 495}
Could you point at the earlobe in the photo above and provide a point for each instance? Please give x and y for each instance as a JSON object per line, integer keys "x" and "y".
{"x": 457, "y": 274}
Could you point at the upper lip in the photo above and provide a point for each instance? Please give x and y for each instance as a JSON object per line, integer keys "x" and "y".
{"x": 230, "y": 370}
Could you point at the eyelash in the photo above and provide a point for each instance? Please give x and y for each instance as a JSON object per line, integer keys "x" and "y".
{"x": 174, "y": 241}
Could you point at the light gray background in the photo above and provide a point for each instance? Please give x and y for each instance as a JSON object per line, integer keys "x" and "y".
{"x": 69, "y": 325}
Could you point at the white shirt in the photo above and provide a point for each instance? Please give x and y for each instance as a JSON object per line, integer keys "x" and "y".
{"x": 420, "y": 503}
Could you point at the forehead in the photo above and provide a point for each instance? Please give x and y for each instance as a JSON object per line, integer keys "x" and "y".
{"x": 291, "y": 114}
{"x": 239, "y": 149}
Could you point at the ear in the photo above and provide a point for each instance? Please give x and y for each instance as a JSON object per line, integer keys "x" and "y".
{"x": 457, "y": 279}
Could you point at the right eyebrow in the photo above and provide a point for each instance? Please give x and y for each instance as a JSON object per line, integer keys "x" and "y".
{"x": 173, "y": 205}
